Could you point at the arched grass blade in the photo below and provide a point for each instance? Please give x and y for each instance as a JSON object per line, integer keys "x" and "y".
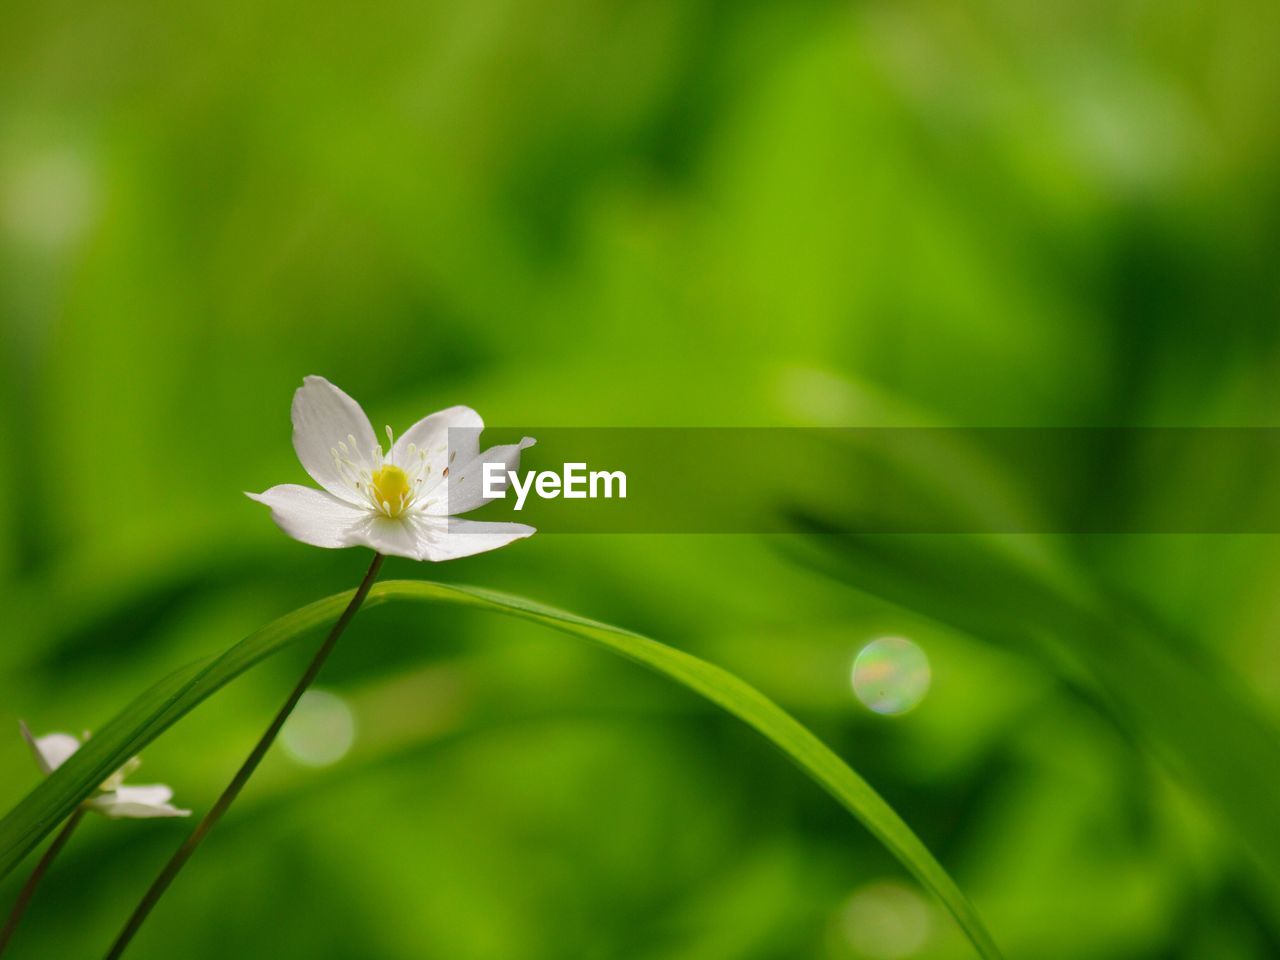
{"x": 161, "y": 706}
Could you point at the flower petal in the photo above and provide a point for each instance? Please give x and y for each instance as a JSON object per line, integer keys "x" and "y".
{"x": 152, "y": 793}
{"x": 431, "y": 435}
{"x": 138, "y": 803}
{"x": 312, "y": 516}
{"x": 453, "y": 538}
{"x": 392, "y": 537}
{"x": 50, "y": 751}
{"x": 116, "y": 779}
{"x": 323, "y": 418}
{"x": 418, "y": 536}
{"x": 464, "y": 489}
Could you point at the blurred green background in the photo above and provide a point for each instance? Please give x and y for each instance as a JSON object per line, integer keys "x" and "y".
{"x": 647, "y": 214}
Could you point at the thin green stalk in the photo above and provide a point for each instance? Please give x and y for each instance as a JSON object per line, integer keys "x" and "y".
{"x": 183, "y": 854}
{"x": 33, "y": 881}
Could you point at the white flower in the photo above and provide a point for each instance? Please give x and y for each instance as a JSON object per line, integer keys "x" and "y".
{"x": 113, "y": 799}
{"x": 400, "y": 501}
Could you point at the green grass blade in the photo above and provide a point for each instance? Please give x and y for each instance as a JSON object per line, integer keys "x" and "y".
{"x": 161, "y": 706}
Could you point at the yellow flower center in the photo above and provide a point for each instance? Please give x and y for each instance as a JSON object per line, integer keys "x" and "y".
{"x": 391, "y": 488}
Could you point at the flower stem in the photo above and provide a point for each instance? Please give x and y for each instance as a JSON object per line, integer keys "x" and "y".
{"x": 183, "y": 854}
{"x": 33, "y": 881}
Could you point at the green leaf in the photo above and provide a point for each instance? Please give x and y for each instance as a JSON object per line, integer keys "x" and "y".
{"x": 161, "y": 706}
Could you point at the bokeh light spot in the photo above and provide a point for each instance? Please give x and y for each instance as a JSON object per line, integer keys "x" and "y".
{"x": 891, "y": 675}
{"x": 886, "y": 920}
{"x": 320, "y": 731}
{"x": 47, "y": 198}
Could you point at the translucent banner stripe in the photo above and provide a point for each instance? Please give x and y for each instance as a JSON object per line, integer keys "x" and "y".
{"x": 876, "y": 480}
